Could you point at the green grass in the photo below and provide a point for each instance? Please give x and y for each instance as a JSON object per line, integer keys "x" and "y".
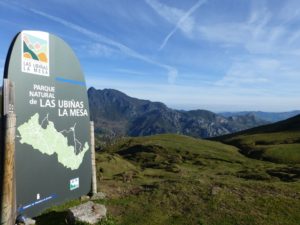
{"x": 280, "y": 147}
{"x": 173, "y": 179}
{"x": 278, "y": 142}
{"x": 283, "y": 153}
{"x": 182, "y": 180}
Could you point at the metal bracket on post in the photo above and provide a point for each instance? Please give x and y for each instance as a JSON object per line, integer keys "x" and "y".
{"x": 93, "y": 159}
{"x": 8, "y": 181}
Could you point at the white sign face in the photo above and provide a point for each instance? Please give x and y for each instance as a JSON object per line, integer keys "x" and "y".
{"x": 35, "y": 53}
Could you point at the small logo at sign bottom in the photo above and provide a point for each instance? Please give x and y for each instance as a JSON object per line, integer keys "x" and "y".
{"x": 74, "y": 183}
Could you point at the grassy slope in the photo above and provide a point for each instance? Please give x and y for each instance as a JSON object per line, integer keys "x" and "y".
{"x": 172, "y": 179}
{"x": 278, "y": 142}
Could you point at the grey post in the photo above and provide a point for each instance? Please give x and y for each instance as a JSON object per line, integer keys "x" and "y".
{"x": 94, "y": 171}
{"x": 8, "y": 182}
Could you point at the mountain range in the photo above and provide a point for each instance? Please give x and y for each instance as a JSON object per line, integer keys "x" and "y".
{"x": 116, "y": 114}
{"x": 267, "y": 116}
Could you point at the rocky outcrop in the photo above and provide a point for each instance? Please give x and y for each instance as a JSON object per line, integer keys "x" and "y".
{"x": 88, "y": 212}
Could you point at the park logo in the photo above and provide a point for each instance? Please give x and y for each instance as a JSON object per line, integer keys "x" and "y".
{"x": 74, "y": 184}
{"x": 35, "y": 53}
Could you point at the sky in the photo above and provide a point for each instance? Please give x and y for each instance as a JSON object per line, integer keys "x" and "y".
{"x": 219, "y": 55}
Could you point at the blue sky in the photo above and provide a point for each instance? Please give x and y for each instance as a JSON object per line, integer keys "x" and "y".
{"x": 220, "y": 55}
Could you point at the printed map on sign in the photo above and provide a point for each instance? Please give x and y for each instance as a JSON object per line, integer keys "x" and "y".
{"x": 50, "y": 141}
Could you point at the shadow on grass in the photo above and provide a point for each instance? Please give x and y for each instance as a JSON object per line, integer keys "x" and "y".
{"x": 287, "y": 174}
{"x": 52, "y": 218}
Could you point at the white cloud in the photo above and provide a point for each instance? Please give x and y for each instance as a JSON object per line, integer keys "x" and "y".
{"x": 266, "y": 49}
{"x": 172, "y": 71}
{"x": 172, "y": 15}
{"x": 182, "y": 20}
{"x": 290, "y": 11}
{"x": 131, "y": 72}
{"x": 275, "y": 76}
{"x": 98, "y": 49}
{"x": 261, "y": 33}
{"x": 256, "y": 33}
{"x": 249, "y": 72}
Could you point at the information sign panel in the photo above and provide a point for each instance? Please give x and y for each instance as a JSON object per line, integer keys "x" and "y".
{"x": 53, "y": 162}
